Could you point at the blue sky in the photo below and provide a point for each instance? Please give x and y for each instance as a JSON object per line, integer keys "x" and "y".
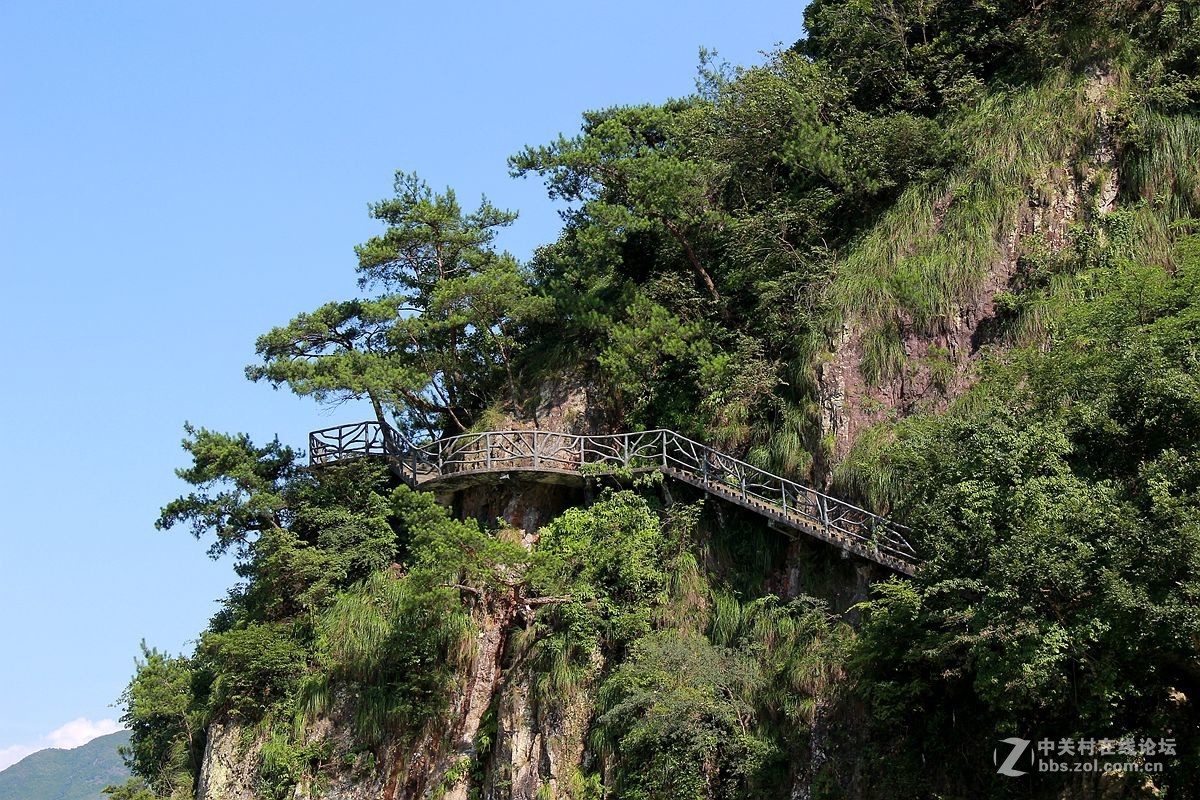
{"x": 176, "y": 179}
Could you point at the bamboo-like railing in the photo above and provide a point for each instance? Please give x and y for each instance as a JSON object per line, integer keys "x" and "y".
{"x": 785, "y": 502}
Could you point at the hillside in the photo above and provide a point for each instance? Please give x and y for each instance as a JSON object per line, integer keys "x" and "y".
{"x": 77, "y": 774}
{"x": 938, "y": 259}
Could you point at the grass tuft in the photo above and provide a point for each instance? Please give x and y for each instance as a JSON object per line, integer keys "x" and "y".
{"x": 932, "y": 251}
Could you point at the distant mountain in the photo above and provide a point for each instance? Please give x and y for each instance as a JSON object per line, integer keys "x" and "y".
{"x": 77, "y": 774}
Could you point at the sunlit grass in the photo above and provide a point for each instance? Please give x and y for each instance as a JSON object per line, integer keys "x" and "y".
{"x": 934, "y": 249}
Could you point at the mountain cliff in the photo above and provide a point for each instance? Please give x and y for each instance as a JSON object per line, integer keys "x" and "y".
{"x": 77, "y": 774}
{"x": 938, "y": 259}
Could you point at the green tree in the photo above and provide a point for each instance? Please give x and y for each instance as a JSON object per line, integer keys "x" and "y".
{"x": 133, "y": 789}
{"x": 677, "y": 721}
{"x": 630, "y": 170}
{"x": 256, "y": 666}
{"x": 927, "y": 55}
{"x": 608, "y": 559}
{"x": 298, "y": 536}
{"x": 167, "y": 724}
{"x": 240, "y": 488}
{"x": 429, "y": 351}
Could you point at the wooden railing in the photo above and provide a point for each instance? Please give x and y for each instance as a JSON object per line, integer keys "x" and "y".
{"x": 783, "y": 501}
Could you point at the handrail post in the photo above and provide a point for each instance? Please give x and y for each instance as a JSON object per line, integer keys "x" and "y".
{"x": 487, "y": 445}
{"x": 537, "y": 461}
{"x": 663, "y": 434}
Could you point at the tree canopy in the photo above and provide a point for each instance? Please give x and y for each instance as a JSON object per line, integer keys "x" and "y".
{"x": 426, "y": 350}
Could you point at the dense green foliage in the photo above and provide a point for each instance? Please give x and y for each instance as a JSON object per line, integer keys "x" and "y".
{"x": 1062, "y": 505}
{"x": 676, "y": 713}
{"x": 348, "y": 590}
{"x": 725, "y": 714}
{"x": 616, "y": 582}
{"x": 902, "y": 160}
{"x": 708, "y": 691}
{"x": 167, "y": 728}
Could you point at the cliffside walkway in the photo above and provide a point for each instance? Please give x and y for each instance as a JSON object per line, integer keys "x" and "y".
{"x": 458, "y": 460}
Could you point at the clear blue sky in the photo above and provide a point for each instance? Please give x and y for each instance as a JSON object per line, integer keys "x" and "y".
{"x": 177, "y": 178}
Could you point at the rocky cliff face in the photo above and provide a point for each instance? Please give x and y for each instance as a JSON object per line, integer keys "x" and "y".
{"x": 506, "y": 742}
{"x": 527, "y": 747}
{"x": 506, "y": 739}
{"x": 940, "y": 359}
{"x": 540, "y": 744}
{"x": 501, "y": 741}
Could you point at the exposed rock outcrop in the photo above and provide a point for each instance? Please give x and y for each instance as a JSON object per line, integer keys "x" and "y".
{"x": 230, "y": 768}
{"x": 940, "y": 363}
{"x": 540, "y": 744}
